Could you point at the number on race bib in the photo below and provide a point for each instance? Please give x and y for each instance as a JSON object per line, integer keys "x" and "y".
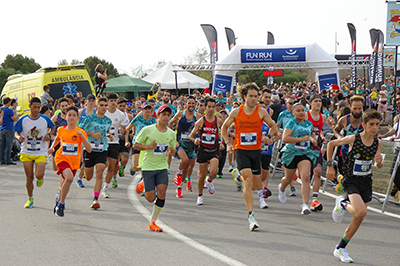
{"x": 362, "y": 168}
{"x": 70, "y": 149}
{"x": 303, "y": 145}
{"x": 208, "y": 139}
{"x": 161, "y": 149}
{"x": 97, "y": 146}
{"x": 248, "y": 138}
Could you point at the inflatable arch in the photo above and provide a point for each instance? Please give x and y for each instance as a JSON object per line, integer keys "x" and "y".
{"x": 278, "y": 57}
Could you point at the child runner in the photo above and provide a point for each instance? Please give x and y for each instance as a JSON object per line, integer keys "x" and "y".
{"x": 357, "y": 182}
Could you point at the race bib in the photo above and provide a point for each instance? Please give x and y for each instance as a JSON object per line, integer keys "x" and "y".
{"x": 113, "y": 131}
{"x": 97, "y": 146}
{"x": 362, "y": 168}
{"x": 161, "y": 149}
{"x": 185, "y": 136}
{"x": 248, "y": 138}
{"x": 33, "y": 144}
{"x": 70, "y": 149}
{"x": 264, "y": 147}
{"x": 208, "y": 139}
{"x": 302, "y": 145}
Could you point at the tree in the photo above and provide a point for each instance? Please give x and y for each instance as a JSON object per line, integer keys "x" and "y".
{"x": 20, "y": 63}
{"x": 200, "y": 56}
{"x": 91, "y": 63}
{"x": 63, "y": 62}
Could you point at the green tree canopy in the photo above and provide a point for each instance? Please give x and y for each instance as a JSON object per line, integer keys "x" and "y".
{"x": 20, "y": 63}
{"x": 91, "y": 63}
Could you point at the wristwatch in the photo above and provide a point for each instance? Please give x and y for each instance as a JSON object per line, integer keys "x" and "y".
{"x": 329, "y": 163}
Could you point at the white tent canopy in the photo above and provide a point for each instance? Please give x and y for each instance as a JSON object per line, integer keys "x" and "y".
{"x": 166, "y": 76}
{"x": 277, "y": 57}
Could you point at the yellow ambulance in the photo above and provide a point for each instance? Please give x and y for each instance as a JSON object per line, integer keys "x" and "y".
{"x": 62, "y": 80}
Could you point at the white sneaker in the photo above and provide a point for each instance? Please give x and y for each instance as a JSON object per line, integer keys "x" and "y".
{"x": 263, "y": 204}
{"x": 305, "y": 210}
{"x": 105, "y": 194}
{"x": 342, "y": 254}
{"x": 210, "y": 187}
{"x": 281, "y": 195}
{"x": 338, "y": 211}
{"x": 200, "y": 200}
{"x": 252, "y": 223}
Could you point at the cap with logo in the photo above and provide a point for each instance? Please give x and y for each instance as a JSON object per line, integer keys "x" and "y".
{"x": 164, "y": 108}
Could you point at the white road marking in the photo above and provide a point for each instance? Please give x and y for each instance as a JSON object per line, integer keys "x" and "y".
{"x": 132, "y": 195}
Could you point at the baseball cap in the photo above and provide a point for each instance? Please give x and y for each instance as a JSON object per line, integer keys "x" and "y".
{"x": 218, "y": 103}
{"x": 223, "y": 111}
{"x": 275, "y": 98}
{"x": 164, "y": 108}
{"x": 219, "y": 92}
{"x": 335, "y": 87}
{"x": 90, "y": 96}
{"x": 145, "y": 104}
{"x": 341, "y": 104}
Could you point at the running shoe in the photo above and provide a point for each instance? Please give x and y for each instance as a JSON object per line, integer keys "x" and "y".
{"x": 339, "y": 210}
{"x": 153, "y": 227}
{"x": 39, "y": 182}
{"x": 200, "y": 200}
{"x": 179, "y": 193}
{"x": 95, "y": 204}
{"x": 263, "y": 204}
{"x": 253, "y": 225}
{"x": 281, "y": 195}
{"x": 79, "y": 183}
{"x": 292, "y": 192}
{"x": 205, "y": 183}
{"x": 121, "y": 171}
{"x": 295, "y": 177}
{"x": 339, "y": 186}
{"x": 132, "y": 171}
{"x": 29, "y": 203}
{"x": 316, "y": 206}
{"x": 189, "y": 186}
{"x": 239, "y": 184}
{"x": 210, "y": 186}
{"x": 105, "y": 194}
{"x": 140, "y": 187}
{"x": 230, "y": 168}
{"x": 59, "y": 210}
{"x": 178, "y": 179}
{"x": 304, "y": 209}
{"x": 169, "y": 171}
{"x": 342, "y": 254}
{"x": 114, "y": 183}
{"x": 219, "y": 176}
{"x": 266, "y": 193}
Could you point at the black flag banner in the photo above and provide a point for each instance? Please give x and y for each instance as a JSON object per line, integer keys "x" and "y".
{"x": 270, "y": 41}
{"x": 379, "y": 60}
{"x": 372, "y": 59}
{"x": 211, "y": 35}
{"x": 352, "y": 31}
{"x": 230, "y": 35}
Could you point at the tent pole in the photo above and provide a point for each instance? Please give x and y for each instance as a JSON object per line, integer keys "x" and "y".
{"x": 176, "y": 80}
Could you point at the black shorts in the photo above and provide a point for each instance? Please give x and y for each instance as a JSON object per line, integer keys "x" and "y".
{"x": 320, "y": 161}
{"x": 135, "y": 151}
{"x": 361, "y": 186}
{"x": 265, "y": 161}
{"x": 93, "y": 158}
{"x": 296, "y": 160}
{"x": 249, "y": 159}
{"x": 122, "y": 147}
{"x": 113, "y": 151}
{"x": 204, "y": 157}
{"x": 154, "y": 178}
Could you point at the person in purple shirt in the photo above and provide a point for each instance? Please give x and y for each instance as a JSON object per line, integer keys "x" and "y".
{"x": 7, "y": 131}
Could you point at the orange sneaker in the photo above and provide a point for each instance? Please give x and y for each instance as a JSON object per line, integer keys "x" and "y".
{"x": 295, "y": 177}
{"x": 178, "y": 179}
{"x": 179, "y": 193}
{"x": 140, "y": 187}
{"x": 153, "y": 227}
{"x": 316, "y": 206}
{"x": 189, "y": 186}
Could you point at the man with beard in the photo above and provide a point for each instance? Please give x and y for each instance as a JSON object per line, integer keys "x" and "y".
{"x": 185, "y": 121}
{"x": 165, "y": 101}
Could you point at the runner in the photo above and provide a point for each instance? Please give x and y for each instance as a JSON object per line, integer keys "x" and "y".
{"x": 68, "y": 157}
{"x": 248, "y": 120}
{"x": 185, "y": 120}
{"x": 165, "y": 101}
{"x": 96, "y": 127}
{"x": 33, "y": 131}
{"x": 317, "y": 119}
{"x": 138, "y": 122}
{"x": 208, "y": 151}
{"x": 297, "y": 154}
{"x": 364, "y": 148}
{"x": 89, "y": 109}
{"x": 154, "y": 141}
{"x": 118, "y": 125}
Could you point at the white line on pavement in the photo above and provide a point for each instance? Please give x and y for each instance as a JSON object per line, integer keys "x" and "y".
{"x": 132, "y": 195}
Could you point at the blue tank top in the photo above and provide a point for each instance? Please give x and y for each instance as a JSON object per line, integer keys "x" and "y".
{"x": 83, "y": 114}
{"x": 60, "y": 122}
{"x": 185, "y": 127}
{"x": 265, "y": 148}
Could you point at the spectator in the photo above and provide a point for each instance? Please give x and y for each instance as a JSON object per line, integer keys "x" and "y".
{"x": 45, "y": 98}
{"x": 7, "y": 131}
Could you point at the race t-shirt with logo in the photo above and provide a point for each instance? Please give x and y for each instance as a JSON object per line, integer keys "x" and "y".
{"x": 248, "y": 130}
{"x": 209, "y": 136}
{"x": 155, "y": 159}
{"x": 92, "y": 123}
{"x": 118, "y": 119}
{"x": 70, "y": 147}
{"x": 284, "y": 118}
{"x": 140, "y": 122}
{"x": 34, "y": 130}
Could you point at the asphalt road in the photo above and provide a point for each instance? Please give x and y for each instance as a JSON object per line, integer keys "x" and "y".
{"x": 213, "y": 234}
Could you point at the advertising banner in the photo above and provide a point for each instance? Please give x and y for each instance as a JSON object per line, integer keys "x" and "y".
{"x": 211, "y": 35}
{"x": 372, "y": 60}
{"x": 325, "y": 81}
{"x": 230, "y": 35}
{"x": 389, "y": 57}
{"x": 352, "y": 31}
{"x": 379, "y": 60}
{"x": 222, "y": 84}
{"x": 276, "y": 55}
{"x": 270, "y": 41}
{"x": 393, "y": 24}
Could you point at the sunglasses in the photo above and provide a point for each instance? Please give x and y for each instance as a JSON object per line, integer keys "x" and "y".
{"x": 291, "y": 103}
{"x": 128, "y": 104}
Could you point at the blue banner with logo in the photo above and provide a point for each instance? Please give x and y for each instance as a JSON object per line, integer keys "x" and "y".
{"x": 326, "y": 81}
{"x": 222, "y": 84}
{"x": 276, "y": 55}
{"x": 393, "y": 23}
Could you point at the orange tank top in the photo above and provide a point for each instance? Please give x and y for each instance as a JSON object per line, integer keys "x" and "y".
{"x": 248, "y": 130}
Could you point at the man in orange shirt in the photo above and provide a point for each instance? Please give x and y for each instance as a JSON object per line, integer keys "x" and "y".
{"x": 248, "y": 120}
{"x": 67, "y": 158}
